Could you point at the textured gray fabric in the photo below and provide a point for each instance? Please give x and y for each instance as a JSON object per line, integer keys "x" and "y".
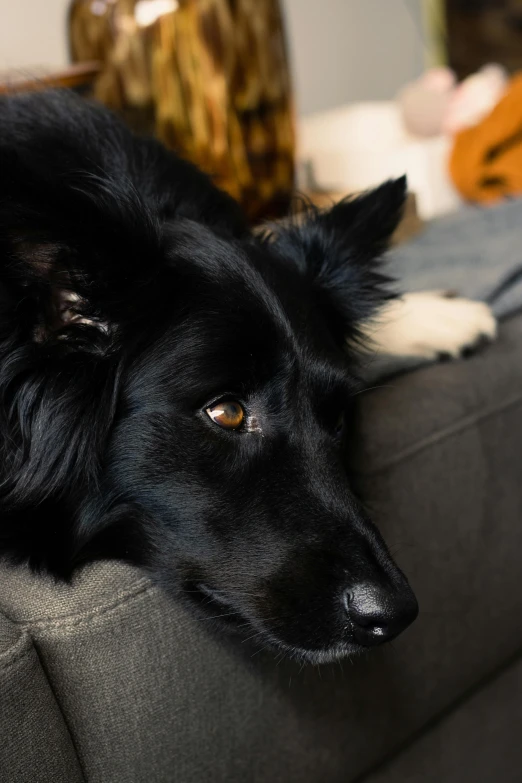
{"x": 149, "y": 693}
{"x": 407, "y": 414}
{"x": 477, "y": 743}
{"x": 35, "y": 746}
{"x": 471, "y": 251}
{"x": 10, "y": 638}
{"x": 46, "y": 603}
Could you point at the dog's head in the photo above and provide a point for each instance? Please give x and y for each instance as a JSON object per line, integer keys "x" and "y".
{"x": 180, "y": 392}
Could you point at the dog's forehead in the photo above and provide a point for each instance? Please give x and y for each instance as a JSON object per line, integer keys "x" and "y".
{"x": 254, "y": 300}
{"x": 236, "y": 285}
{"x": 250, "y": 323}
{"x": 232, "y": 322}
{"x": 237, "y": 317}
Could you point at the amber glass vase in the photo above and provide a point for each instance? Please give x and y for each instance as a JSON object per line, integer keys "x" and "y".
{"x": 209, "y": 78}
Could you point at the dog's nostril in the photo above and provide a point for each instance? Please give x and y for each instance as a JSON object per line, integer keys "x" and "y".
{"x": 377, "y": 614}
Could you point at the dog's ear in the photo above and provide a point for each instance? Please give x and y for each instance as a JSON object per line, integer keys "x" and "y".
{"x": 340, "y": 252}
{"x": 79, "y": 261}
{"x": 83, "y": 205}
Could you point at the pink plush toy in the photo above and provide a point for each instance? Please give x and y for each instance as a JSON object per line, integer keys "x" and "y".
{"x": 424, "y": 103}
{"x": 435, "y": 104}
{"x": 474, "y": 98}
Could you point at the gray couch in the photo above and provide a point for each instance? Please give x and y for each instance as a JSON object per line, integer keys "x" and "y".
{"x": 109, "y": 681}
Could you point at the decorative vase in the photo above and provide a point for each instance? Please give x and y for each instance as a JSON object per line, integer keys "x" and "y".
{"x": 209, "y": 78}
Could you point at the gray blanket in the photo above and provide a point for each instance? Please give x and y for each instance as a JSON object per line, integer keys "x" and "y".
{"x": 476, "y": 251}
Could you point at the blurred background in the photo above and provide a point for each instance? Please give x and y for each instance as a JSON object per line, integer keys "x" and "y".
{"x": 330, "y": 97}
{"x": 341, "y": 50}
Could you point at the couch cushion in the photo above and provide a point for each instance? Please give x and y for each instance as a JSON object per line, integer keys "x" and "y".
{"x": 479, "y": 741}
{"x": 149, "y": 693}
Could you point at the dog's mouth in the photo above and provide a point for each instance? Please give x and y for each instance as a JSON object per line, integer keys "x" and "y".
{"x": 216, "y": 605}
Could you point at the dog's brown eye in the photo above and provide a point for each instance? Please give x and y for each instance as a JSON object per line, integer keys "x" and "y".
{"x": 229, "y": 414}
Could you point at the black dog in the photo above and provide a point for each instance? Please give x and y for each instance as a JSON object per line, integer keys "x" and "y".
{"x": 174, "y": 389}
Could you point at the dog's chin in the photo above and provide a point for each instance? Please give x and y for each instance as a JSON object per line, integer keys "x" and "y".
{"x": 216, "y": 606}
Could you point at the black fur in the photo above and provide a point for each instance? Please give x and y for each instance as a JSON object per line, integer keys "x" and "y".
{"x": 106, "y": 449}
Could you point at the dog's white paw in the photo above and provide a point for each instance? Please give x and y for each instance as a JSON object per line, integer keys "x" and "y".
{"x": 430, "y": 325}
{"x": 424, "y": 327}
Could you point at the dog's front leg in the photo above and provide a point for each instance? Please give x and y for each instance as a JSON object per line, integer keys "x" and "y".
{"x": 420, "y": 328}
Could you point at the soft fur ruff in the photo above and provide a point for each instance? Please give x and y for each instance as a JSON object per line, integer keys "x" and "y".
{"x": 133, "y": 298}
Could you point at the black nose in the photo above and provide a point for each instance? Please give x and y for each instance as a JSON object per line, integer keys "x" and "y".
{"x": 378, "y": 614}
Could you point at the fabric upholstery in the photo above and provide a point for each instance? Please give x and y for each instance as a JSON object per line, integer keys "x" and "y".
{"x": 478, "y": 742}
{"x": 35, "y": 745}
{"x": 148, "y": 692}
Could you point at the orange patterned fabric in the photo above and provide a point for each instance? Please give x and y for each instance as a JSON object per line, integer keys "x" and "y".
{"x": 486, "y": 160}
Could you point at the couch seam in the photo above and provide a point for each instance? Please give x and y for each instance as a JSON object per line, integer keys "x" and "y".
{"x": 5, "y": 665}
{"x": 62, "y": 713}
{"x": 74, "y": 619}
{"x": 30, "y": 647}
{"x": 437, "y": 437}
